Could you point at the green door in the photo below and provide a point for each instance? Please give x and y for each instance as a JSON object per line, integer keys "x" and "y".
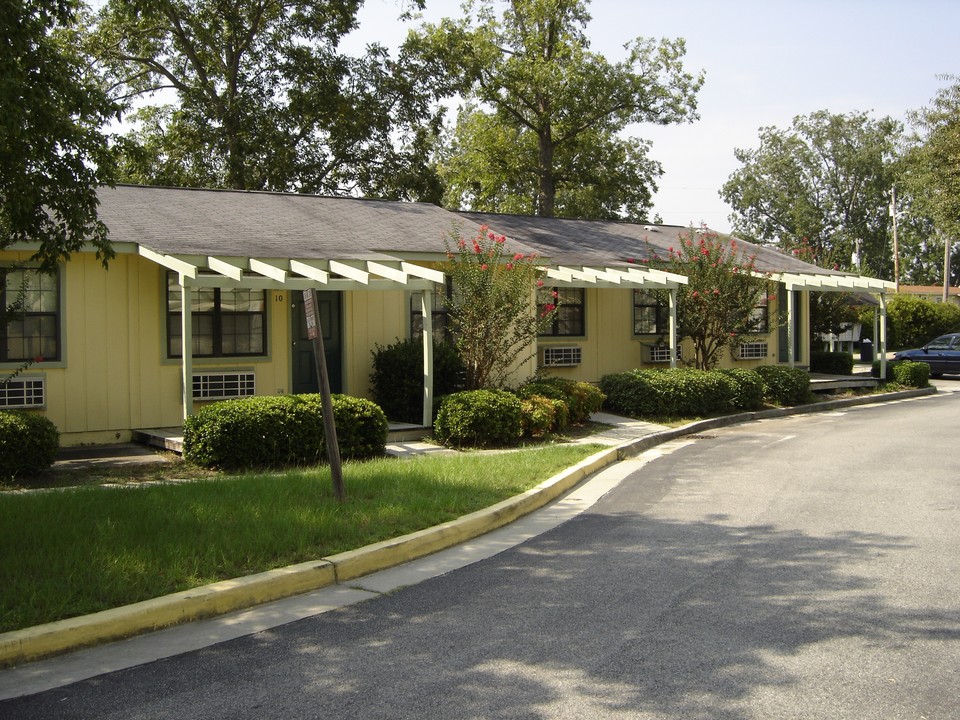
{"x": 784, "y": 355}
{"x": 305, "y": 378}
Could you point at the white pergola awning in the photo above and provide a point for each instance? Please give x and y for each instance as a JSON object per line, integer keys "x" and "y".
{"x": 824, "y": 282}
{"x": 261, "y": 273}
{"x": 594, "y": 276}
{"x": 289, "y": 274}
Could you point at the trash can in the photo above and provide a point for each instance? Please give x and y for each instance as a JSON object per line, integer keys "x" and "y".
{"x": 866, "y": 350}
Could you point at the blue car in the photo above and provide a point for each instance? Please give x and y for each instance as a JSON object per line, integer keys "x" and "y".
{"x": 942, "y": 354}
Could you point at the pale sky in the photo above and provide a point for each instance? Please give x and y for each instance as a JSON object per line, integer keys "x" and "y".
{"x": 766, "y": 62}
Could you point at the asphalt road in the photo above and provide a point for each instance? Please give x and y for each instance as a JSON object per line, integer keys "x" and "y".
{"x": 806, "y": 567}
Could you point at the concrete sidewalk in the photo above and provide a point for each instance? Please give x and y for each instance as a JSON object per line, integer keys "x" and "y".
{"x": 125, "y": 454}
{"x": 107, "y": 456}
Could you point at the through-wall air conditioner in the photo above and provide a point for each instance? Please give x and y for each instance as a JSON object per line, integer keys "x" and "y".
{"x": 561, "y": 356}
{"x": 28, "y": 392}
{"x": 752, "y": 350}
{"x": 223, "y": 385}
{"x": 661, "y": 353}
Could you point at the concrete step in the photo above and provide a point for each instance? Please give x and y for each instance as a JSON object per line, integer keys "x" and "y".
{"x": 171, "y": 438}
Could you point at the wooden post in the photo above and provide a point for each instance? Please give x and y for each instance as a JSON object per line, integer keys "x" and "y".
{"x": 426, "y": 307}
{"x": 673, "y": 327}
{"x": 791, "y": 330}
{"x": 186, "y": 345}
{"x": 882, "y": 339}
{"x": 315, "y": 333}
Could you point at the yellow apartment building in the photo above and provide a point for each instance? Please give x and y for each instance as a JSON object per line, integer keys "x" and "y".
{"x": 120, "y": 348}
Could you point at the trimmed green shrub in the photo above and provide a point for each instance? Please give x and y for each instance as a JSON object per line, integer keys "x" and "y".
{"x": 396, "y": 382}
{"x": 362, "y": 426}
{"x": 28, "y": 443}
{"x": 875, "y": 368}
{"x": 479, "y": 418}
{"x": 749, "y": 387}
{"x": 254, "y": 432}
{"x": 677, "y": 392}
{"x": 911, "y": 374}
{"x": 542, "y": 415}
{"x": 582, "y": 398}
{"x": 831, "y": 363}
{"x": 272, "y": 432}
{"x": 784, "y": 385}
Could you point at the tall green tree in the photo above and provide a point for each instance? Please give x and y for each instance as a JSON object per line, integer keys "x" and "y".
{"x": 540, "y": 132}
{"x": 933, "y": 169}
{"x": 53, "y": 153}
{"x": 822, "y": 185}
{"x": 265, "y": 99}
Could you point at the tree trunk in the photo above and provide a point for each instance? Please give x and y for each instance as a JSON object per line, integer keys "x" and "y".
{"x": 547, "y": 190}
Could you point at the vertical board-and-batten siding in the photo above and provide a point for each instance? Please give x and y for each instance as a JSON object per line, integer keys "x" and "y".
{"x": 370, "y": 318}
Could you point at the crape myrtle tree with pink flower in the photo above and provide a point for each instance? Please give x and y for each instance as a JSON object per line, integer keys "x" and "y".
{"x": 493, "y": 313}
{"x": 719, "y": 303}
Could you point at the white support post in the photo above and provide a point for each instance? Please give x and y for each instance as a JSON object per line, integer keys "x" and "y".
{"x": 426, "y": 307}
{"x": 791, "y": 327}
{"x": 882, "y": 344}
{"x": 673, "y": 327}
{"x": 186, "y": 349}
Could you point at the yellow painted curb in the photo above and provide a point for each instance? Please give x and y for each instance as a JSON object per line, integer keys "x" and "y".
{"x": 217, "y": 598}
{"x": 228, "y": 595}
{"x": 363, "y": 561}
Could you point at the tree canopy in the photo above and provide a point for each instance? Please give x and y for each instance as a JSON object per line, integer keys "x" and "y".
{"x": 265, "y": 99}
{"x": 53, "y": 153}
{"x": 820, "y": 187}
{"x": 540, "y": 129}
{"x": 932, "y": 174}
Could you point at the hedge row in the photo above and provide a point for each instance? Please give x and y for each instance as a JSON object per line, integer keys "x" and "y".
{"x": 28, "y": 443}
{"x": 483, "y": 418}
{"x": 685, "y": 392}
{"x": 273, "y": 432}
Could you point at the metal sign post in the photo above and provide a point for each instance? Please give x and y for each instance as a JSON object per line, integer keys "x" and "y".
{"x": 314, "y": 332}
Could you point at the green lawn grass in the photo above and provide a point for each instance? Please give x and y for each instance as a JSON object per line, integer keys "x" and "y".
{"x": 74, "y": 551}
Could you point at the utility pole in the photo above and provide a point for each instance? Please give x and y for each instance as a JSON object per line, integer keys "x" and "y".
{"x": 946, "y": 268}
{"x": 896, "y": 245}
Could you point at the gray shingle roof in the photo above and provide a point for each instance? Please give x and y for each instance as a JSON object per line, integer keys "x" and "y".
{"x": 610, "y": 243}
{"x": 310, "y": 227}
{"x": 275, "y": 225}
